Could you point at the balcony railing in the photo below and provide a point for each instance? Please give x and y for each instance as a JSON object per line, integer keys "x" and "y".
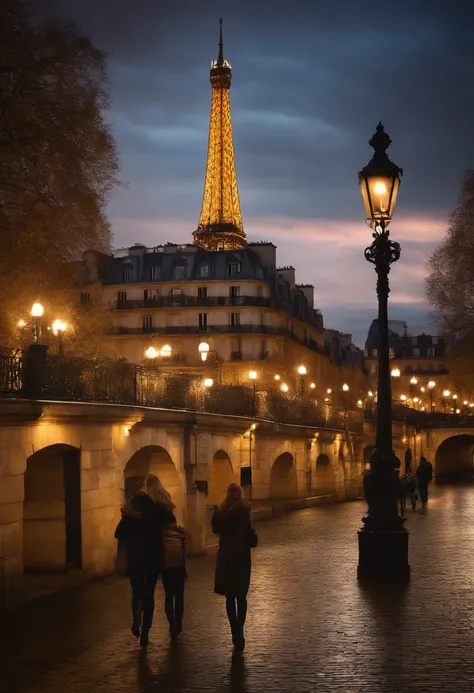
{"x": 183, "y": 301}
{"x": 220, "y": 329}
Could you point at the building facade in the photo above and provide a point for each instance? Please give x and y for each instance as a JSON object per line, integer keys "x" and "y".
{"x": 417, "y": 361}
{"x": 220, "y": 305}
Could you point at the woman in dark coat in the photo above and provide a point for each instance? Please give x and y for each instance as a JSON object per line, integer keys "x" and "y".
{"x": 231, "y": 521}
{"x": 141, "y": 532}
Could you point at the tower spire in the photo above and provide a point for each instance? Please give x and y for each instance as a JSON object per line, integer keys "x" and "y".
{"x": 220, "y": 224}
{"x": 220, "y": 59}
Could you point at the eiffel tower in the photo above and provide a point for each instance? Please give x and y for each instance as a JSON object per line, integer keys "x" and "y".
{"x": 220, "y": 224}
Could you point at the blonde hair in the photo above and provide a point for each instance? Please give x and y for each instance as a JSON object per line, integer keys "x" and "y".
{"x": 234, "y": 495}
{"x": 157, "y": 492}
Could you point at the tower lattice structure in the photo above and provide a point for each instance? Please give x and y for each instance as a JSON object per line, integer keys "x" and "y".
{"x": 220, "y": 224}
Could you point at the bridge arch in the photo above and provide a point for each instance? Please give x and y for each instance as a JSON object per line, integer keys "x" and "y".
{"x": 52, "y": 523}
{"x": 283, "y": 477}
{"x": 154, "y": 459}
{"x": 454, "y": 458}
{"x": 221, "y": 474}
{"x": 325, "y": 482}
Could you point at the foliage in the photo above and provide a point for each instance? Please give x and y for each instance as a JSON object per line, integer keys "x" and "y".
{"x": 450, "y": 285}
{"x": 58, "y": 160}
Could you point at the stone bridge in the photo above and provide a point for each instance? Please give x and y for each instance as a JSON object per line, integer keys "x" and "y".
{"x": 66, "y": 468}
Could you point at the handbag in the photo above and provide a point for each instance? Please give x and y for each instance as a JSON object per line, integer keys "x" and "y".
{"x": 121, "y": 560}
{"x": 174, "y": 542}
{"x": 252, "y": 538}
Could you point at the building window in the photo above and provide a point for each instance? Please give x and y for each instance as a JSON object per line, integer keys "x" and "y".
{"x": 127, "y": 273}
{"x": 434, "y": 340}
{"x": 203, "y": 321}
{"x": 260, "y": 291}
{"x": 263, "y": 318}
{"x": 179, "y": 272}
{"x": 234, "y": 293}
{"x": 416, "y": 353}
{"x": 147, "y": 323}
{"x": 263, "y": 349}
{"x": 234, "y": 319}
{"x": 150, "y": 295}
{"x": 260, "y": 273}
{"x": 204, "y": 269}
{"x": 202, "y": 293}
{"x": 431, "y": 352}
{"x": 154, "y": 274}
{"x": 374, "y": 353}
{"x": 85, "y": 297}
{"x": 177, "y": 296}
{"x": 391, "y": 353}
{"x": 233, "y": 268}
{"x": 121, "y": 296}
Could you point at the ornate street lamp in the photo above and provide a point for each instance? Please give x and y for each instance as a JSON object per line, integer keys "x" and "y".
{"x": 383, "y": 541}
{"x": 203, "y": 349}
{"x": 253, "y": 375}
{"x": 59, "y": 327}
{"x": 37, "y": 311}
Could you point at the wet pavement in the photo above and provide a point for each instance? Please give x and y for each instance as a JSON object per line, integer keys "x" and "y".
{"x": 311, "y": 627}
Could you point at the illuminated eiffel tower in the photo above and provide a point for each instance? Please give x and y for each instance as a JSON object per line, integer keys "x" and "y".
{"x": 220, "y": 224}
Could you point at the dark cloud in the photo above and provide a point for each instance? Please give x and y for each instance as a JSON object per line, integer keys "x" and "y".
{"x": 310, "y": 82}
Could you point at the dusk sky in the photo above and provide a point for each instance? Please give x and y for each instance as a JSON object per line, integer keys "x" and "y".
{"x": 311, "y": 80}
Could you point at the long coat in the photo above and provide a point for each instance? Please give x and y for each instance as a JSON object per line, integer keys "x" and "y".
{"x": 233, "y": 566}
{"x": 143, "y": 537}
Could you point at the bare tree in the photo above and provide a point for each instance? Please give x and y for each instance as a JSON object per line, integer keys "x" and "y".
{"x": 450, "y": 284}
{"x": 58, "y": 159}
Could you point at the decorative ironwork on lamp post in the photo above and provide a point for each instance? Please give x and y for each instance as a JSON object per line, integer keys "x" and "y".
{"x": 383, "y": 540}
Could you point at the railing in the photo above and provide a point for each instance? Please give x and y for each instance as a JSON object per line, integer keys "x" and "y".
{"x": 220, "y": 329}
{"x": 114, "y": 381}
{"x": 423, "y": 419}
{"x": 11, "y": 370}
{"x": 192, "y": 301}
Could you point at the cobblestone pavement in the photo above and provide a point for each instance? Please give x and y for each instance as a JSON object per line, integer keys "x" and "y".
{"x": 311, "y": 627}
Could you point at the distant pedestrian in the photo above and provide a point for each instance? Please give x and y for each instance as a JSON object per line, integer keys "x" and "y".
{"x": 411, "y": 490}
{"x": 231, "y": 521}
{"x": 174, "y": 576}
{"x": 140, "y": 530}
{"x": 424, "y": 476}
{"x": 402, "y": 494}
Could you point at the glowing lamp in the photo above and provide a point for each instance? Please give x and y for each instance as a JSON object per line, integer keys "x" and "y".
{"x": 379, "y": 181}
{"x": 203, "y": 349}
{"x": 37, "y": 310}
{"x": 151, "y": 353}
{"x": 208, "y": 382}
{"x": 302, "y": 370}
{"x": 166, "y": 351}
{"x": 253, "y": 375}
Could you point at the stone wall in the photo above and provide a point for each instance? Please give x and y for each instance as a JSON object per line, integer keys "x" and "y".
{"x": 38, "y": 526}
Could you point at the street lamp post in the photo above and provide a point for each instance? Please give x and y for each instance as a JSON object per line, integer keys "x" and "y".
{"x": 383, "y": 540}
{"x": 204, "y": 351}
{"x": 302, "y": 372}
{"x": 431, "y": 387}
{"x": 37, "y": 311}
{"x": 59, "y": 328}
{"x": 253, "y": 377}
{"x": 345, "y": 389}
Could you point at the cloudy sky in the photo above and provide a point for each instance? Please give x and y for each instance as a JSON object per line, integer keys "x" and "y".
{"x": 310, "y": 82}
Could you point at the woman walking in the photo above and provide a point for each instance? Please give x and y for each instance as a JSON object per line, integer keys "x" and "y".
{"x": 140, "y": 531}
{"x": 231, "y": 521}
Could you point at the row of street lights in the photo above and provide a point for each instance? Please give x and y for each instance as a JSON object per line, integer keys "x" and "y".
{"x": 58, "y": 327}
